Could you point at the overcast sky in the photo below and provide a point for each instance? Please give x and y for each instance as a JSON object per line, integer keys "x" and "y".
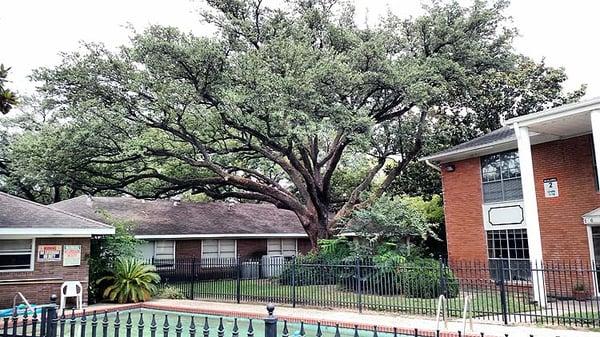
{"x": 34, "y": 32}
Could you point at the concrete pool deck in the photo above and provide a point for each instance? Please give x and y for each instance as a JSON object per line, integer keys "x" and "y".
{"x": 385, "y": 322}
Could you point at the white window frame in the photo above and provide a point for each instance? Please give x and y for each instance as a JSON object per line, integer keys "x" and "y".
{"x": 281, "y": 246}
{"x": 502, "y": 180}
{"x": 31, "y": 260}
{"x": 235, "y": 249}
{"x": 174, "y": 249}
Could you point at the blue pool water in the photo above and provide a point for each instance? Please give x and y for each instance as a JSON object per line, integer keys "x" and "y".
{"x": 170, "y": 319}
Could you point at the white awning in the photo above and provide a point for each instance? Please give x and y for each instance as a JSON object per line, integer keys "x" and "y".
{"x": 592, "y": 218}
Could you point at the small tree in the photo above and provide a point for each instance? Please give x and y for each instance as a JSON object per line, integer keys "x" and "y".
{"x": 105, "y": 252}
{"x": 393, "y": 221}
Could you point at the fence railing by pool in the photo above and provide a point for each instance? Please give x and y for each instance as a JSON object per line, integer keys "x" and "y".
{"x": 501, "y": 290}
{"x": 126, "y": 323}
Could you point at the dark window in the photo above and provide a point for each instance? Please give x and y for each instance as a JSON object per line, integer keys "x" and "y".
{"x": 508, "y": 250}
{"x": 501, "y": 177}
{"x": 15, "y": 254}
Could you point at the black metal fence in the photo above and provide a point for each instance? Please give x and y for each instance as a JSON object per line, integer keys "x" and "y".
{"x": 548, "y": 293}
{"x": 128, "y": 323}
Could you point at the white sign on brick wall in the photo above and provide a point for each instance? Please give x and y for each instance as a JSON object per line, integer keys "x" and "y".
{"x": 551, "y": 188}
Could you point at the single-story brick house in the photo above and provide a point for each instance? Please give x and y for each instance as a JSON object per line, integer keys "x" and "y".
{"x": 42, "y": 247}
{"x": 527, "y": 191}
{"x": 175, "y": 230}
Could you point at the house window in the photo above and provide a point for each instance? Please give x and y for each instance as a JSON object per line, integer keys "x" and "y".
{"x": 16, "y": 255}
{"x": 281, "y": 247}
{"x": 164, "y": 251}
{"x": 501, "y": 177}
{"x": 218, "y": 249}
{"x": 508, "y": 250}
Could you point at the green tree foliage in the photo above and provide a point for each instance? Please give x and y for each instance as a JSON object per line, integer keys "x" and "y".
{"x": 105, "y": 252}
{"x": 268, "y": 111}
{"x": 295, "y": 105}
{"x": 8, "y": 99}
{"x": 131, "y": 281}
{"x": 396, "y": 222}
{"x": 525, "y": 88}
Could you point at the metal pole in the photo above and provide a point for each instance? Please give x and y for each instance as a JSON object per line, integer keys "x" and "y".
{"x": 358, "y": 284}
{"x": 52, "y": 317}
{"x": 503, "y": 294}
{"x": 193, "y": 278}
{"x": 238, "y": 286}
{"x": 294, "y": 282}
{"x": 270, "y": 322}
{"x": 443, "y": 288}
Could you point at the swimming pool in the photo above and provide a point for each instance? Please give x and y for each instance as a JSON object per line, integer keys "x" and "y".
{"x": 168, "y": 321}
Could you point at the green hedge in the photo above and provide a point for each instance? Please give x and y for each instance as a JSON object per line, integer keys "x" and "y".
{"x": 419, "y": 278}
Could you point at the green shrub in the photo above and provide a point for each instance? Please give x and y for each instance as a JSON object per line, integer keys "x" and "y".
{"x": 131, "y": 281}
{"x": 419, "y": 278}
{"x": 311, "y": 270}
{"x": 171, "y": 293}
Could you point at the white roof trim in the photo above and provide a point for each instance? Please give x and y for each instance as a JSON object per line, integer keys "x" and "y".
{"x": 57, "y": 231}
{"x": 467, "y": 150}
{"x": 219, "y": 236}
{"x": 558, "y": 112}
{"x": 592, "y": 218}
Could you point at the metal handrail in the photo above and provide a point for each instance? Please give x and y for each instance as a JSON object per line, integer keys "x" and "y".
{"x": 441, "y": 303}
{"x": 24, "y": 300}
{"x": 468, "y": 308}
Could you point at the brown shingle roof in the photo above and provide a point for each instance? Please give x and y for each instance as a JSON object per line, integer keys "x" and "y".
{"x": 162, "y": 217}
{"x": 26, "y": 216}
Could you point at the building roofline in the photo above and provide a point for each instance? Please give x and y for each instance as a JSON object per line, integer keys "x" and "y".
{"x": 560, "y": 111}
{"x": 103, "y": 227}
{"x": 222, "y": 235}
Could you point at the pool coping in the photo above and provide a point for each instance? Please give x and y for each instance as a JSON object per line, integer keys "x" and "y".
{"x": 157, "y": 305}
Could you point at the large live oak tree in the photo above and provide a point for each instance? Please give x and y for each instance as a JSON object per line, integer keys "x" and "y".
{"x": 274, "y": 109}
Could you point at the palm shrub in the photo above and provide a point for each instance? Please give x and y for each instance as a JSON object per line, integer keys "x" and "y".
{"x": 132, "y": 281}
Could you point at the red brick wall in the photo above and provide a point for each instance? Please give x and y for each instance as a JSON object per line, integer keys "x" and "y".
{"x": 188, "y": 249}
{"x": 47, "y": 277}
{"x": 462, "y": 207}
{"x": 564, "y": 235}
{"x": 304, "y": 246}
{"x": 252, "y": 247}
{"x": 245, "y": 247}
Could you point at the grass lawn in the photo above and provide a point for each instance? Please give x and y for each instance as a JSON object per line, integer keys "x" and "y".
{"x": 583, "y": 318}
{"x": 483, "y": 303}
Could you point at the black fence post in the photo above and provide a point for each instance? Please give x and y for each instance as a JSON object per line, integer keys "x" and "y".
{"x": 238, "y": 284}
{"x": 358, "y": 283}
{"x": 443, "y": 281}
{"x": 294, "y": 282}
{"x": 193, "y": 279}
{"x": 271, "y": 322}
{"x": 503, "y": 303}
{"x": 51, "y": 318}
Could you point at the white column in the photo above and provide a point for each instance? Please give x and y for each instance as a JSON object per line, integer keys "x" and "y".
{"x": 530, "y": 210}
{"x": 595, "y": 117}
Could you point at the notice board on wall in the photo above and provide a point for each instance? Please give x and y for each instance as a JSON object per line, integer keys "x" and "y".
{"x": 551, "y": 188}
{"x": 48, "y": 253}
{"x": 72, "y": 255}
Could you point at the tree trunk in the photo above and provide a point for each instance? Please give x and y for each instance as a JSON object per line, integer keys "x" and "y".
{"x": 317, "y": 230}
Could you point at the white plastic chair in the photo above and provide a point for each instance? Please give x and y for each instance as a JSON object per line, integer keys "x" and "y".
{"x": 71, "y": 289}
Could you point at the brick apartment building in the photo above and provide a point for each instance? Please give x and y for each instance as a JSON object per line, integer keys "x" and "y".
{"x": 40, "y": 248}
{"x": 527, "y": 191}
